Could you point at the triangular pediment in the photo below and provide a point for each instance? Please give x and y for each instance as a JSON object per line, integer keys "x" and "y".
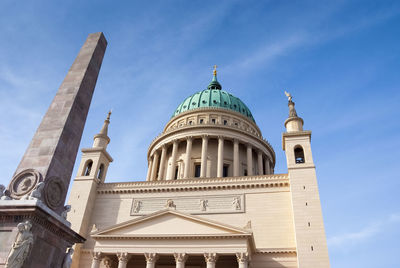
{"x": 170, "y": 223}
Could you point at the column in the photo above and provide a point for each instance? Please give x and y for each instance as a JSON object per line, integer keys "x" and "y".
{"x": 151, "y": 259}
{"x": 235, "y": 157}
{"x": 96, "y": 259}
{"x": 162, "y": 163}
{"x": 211, "y": 259}
{"x": 149, "y": 169}
{"x": 267, "y": 166}
{"x": 242, "y": 259}
{"x": 188, "y": 157}
{"x": 154, "y": 166}
{"x": 220, "y": 161}
{"x": 204, "y": 148}
{"x": 171, "y": 167}
{"x": 180, "y": 259}
{"x": 249, "y": 160}
{"x": 260, "y": 163}
{"x": 123, "y": 258}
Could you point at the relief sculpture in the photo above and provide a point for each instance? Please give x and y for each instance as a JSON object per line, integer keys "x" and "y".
{"x": 21, "y": 247}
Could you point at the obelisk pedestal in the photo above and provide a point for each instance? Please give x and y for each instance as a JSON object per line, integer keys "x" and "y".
{"x": 40, "y": 184}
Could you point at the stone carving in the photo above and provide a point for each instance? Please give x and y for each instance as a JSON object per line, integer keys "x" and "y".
{"x": 94, "y": 229}
{"x": 136, "y": 206}
{"x": 151, "y": 257}
{"x": 107, "y": 262}
{"x": 36, "y": 194}
{"x": 2, "y": 189}
{"x": 203, "y": 204}
{"x": 211, "y": 257}
{"x": 21, "y": 247}
{"x": 242, "y": 257}
{"x": 67, "y": 209}
{"x": 23, "y": 183}
{"x": 6, "y": 195}
{"x": 248, "y": 225}
{"x": 170, "y": 204}
{"x": 54, "y": 192}
{"x": 180, "y": 257}
{"x": 289, "y": 96}
{"x": 96, "y": 255}
{"x": 236, "y": 203}
{"x": 123, "y": 256}
{"x": 68, "y": 258}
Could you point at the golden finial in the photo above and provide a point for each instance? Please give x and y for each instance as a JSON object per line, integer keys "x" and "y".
{"x": 215, "y": 70}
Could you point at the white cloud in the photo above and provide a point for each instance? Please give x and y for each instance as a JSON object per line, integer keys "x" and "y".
{"x": 370, "y": 231}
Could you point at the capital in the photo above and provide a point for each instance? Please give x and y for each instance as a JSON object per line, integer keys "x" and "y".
{"x": 96, "y": 255}
{"x": 123, "y": 256}
{"x": 211, "y": 257}
{"x": 242, "y": 257}
{"x": 204, "y": 137}
{"x": 180, "y": 257}
{"x": 151, "y": 257}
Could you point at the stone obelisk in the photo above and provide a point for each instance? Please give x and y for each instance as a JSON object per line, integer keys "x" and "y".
{"x": 51, "y": 154}
{"x": 35, "y": 211}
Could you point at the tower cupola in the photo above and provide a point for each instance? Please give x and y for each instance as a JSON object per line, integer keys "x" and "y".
{"x": 293, "y": 123}
{"x": 102, "y": 139}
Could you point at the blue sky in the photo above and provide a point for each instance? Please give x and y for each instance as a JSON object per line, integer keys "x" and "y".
{"x": 339, "y": 59}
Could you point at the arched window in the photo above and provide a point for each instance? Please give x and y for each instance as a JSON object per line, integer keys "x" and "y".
{"x": 88, "y": 168}
{"x": 100, "y": 172}
{"x": 299, "y": 154}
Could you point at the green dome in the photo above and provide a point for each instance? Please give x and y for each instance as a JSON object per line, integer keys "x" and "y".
{"x": 211, "y": 97}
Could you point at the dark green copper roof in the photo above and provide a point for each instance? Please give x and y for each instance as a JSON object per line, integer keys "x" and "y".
{"x": 213, "y": 96}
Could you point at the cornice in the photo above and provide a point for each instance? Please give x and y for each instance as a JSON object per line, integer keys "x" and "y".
{"x": 276, "y": 251}
{"x": 172, "y": 236}
{"x": 97, "y": 150}
{"x": 262, "y": 181}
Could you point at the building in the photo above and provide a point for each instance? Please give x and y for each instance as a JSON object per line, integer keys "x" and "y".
{"x": 211, "y": 198}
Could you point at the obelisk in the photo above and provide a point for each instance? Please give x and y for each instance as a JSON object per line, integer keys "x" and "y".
{"x": 51, "y": 154}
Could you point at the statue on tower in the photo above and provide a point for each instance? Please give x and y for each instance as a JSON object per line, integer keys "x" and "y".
{"x": 292, "y": 110}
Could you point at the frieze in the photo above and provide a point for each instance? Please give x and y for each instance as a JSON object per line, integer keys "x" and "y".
{"x": 190, "y": 204}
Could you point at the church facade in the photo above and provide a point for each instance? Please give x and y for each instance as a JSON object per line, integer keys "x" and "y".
{"x": 211, "y": 198}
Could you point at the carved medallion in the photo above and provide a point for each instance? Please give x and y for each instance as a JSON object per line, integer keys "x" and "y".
{"x": 54, "y": 192}
{"x": 24, "y": 182}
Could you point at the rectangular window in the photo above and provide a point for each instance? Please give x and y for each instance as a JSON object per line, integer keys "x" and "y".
{"x": 245, "y": 172}
{"x": 176, "y": 173}
{"x": 201, "y": 121}
{"x": 225, "y": 122}
{"x": 197, "y": 168}
{"x": 225, "y": 171}
{"x": 213, "y": 120}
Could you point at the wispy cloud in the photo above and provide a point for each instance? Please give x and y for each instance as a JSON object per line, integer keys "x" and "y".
{"x": 368, "y": 232}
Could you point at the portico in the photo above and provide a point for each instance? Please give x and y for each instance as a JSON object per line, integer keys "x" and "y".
{"x": 169, "y": 235}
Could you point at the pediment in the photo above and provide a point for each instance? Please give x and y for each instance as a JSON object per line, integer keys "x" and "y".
{"x": 170, "y": 223}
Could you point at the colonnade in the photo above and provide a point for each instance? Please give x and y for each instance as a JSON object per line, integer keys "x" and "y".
{"x": 151, "y": 259}
{"x": 156, "y": 168}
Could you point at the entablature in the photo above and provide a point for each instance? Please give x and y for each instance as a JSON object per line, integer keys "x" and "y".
{"x": 203, "y": 184}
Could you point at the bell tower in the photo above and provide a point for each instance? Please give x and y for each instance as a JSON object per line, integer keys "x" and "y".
{"x": 92, "y": 171}
{"x": 312, "y": 250}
